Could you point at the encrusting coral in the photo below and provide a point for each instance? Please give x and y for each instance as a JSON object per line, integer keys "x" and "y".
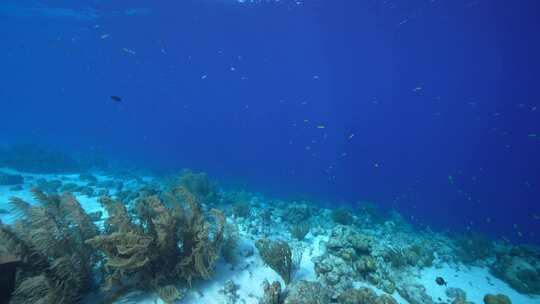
{"x": 158, "y": 245}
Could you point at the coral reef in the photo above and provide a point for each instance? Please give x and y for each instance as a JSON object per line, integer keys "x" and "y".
{"x": 520, "y": 268}
{"x": 159, "y": 237}
{"x": 415, "y": 294}
{"x": 159, "y": 244}
{"x": 414, "y": 255}
{"x": 305, "y": 292}
{"x": 364, "y": 296}
{"x": 334, "y": 273}
{"x": 473, "y": 247}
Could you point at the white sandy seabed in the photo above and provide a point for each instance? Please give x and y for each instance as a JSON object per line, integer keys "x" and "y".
{"x": 250, "y": 272}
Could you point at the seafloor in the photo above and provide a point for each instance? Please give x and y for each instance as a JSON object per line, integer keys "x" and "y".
{"x": 354, "y": 255}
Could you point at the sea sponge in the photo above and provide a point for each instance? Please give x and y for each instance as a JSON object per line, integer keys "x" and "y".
{"x": 496, "y": 299}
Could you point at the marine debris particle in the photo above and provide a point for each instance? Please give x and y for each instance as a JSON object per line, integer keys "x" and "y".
{"x": 204, "y": 76}
{"x": 321, "y": 126}
{"x": 418, "y": 89}
{"x": 116, "y": 98}
{"x": 351, "y": 136}
{"x": 105, "y": 36}
{"x": 132, "y": 52}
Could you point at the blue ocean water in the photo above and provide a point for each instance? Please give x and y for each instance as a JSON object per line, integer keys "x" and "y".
{"x": 427, "y": 107}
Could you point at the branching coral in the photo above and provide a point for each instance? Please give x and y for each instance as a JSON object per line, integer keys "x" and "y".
{"x": 159, "y": 244}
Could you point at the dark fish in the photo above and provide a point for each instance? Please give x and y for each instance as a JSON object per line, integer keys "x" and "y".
{"x": 8, "y": 271}
{"x": 116, "y": 98}
{"x": 440, "y": 281}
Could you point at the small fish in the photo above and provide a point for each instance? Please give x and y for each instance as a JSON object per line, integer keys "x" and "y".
{"x": 116, "y": 98}
{"x": 440, "y": 281}
{"x": 104, "y": 36}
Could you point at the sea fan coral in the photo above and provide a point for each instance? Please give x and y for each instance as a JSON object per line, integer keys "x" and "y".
{"x": 279, "y": 256}
{"x": 159, "y": 244}
{"x": 49, "y": 239}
